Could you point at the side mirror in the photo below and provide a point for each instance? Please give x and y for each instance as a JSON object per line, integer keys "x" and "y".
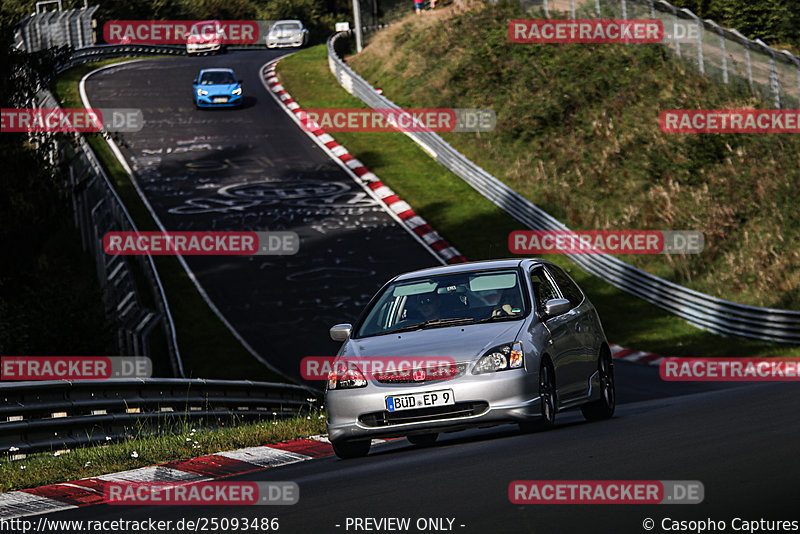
{"x": 194, "y": 81}
{"x": 555, "y": 307}
{"x": 341, "y": 332}
{"x": 241, "y": 83}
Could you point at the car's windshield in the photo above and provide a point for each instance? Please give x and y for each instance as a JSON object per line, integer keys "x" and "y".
{"x": 217, "y": 77}
{"x": 286, "y": 26}
{"x": 447, "y": 300}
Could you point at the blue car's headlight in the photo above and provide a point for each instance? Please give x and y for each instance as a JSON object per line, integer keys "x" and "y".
{"x": 202, "y": 92}
{"x": 501, "y": 358}
{"x": 237, "y": 91}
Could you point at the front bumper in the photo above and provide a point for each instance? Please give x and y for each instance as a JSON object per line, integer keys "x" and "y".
{"x": 281, "y": 43}
{"x": 481, "y": 400}
{"x": 197, "y": 48}
{"x": 208, "y": 101}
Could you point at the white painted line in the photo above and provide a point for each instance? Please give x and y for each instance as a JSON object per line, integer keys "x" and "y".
{"x": 153, "y": 473}
{"x": 20, "y": 504}
{"x": 118, "y": 154}
{"x": 265, "y": 456}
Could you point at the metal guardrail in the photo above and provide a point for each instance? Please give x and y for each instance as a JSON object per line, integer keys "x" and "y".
{"x": 711, "y": 313}
{"x": 99, "y": 52}
{"x": 97, "y": 210}
{"x": 57, "y": 415}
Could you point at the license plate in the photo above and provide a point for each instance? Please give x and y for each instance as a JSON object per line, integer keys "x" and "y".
{"x": 220, "y": 100}
{"x": 443, "y": 397}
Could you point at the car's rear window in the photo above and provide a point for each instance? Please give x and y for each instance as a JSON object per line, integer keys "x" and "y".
{"x": 474, "y": 296}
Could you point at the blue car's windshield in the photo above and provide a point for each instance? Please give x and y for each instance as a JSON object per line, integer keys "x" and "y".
{"x": 213, "y": 78}
{"x": 445, "y": 300}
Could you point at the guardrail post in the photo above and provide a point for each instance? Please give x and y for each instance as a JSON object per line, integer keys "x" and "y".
{"x": 774, "y": 77}
{"x": 724, "y": 53}
{"x": 798, "y": 79}
{"x": 675, "y": 30}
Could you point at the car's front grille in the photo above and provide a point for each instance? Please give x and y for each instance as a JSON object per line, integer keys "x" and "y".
{"x": 431, "y": 374}
{"x": 454, "y": 411}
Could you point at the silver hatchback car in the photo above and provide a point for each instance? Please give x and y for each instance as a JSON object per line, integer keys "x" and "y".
{"x": 502, "y": 341}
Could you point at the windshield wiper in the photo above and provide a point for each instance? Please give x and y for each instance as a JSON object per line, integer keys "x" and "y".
{"x": 433, "y": 323}
{"x": 500, "y": 318}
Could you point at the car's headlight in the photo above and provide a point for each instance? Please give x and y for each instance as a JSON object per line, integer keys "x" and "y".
{"x": 346, "y": 379}
{"x": 501, "y": 358}
{"x": 237, "y": 91}
{"x": 202, "y": 92}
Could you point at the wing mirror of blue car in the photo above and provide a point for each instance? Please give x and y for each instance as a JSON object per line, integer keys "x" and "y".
{"x": 341, "y": 332}
{"x": 555, "y": 307}
{"x": 194, "y": 81}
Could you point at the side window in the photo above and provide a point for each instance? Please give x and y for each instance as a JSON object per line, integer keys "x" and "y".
{"x": 568, "y": 288}
{"x": 543, "y": 288}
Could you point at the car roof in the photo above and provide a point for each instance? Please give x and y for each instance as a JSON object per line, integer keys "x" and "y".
{"x": 290, "y": 20}
{"x": 472, "y": 266}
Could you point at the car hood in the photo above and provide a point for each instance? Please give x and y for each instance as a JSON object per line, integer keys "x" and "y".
{"x": 219, "y": 89}
{"x": 462, "y": 343}
{"x": 203, "y": 38}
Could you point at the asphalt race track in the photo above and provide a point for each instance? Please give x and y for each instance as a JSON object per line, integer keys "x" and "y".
{"x": 740, "y": 442}
{"x": 253, "y": 169}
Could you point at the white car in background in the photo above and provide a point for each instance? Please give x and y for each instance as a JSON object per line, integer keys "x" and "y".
{"x": 205, "y": 37}
{"x": 287, "y": 33}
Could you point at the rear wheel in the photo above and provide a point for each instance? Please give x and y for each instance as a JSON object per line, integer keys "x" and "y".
{"x": 603, "y": 408}
{"x": 547, "y": 396}
{"x": 423, "y": 440}
{"x": 351, "y": 449}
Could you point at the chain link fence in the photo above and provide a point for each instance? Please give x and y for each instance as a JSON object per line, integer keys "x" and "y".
{"x": 719, "y": 53}
{"x": 53, "y": 29}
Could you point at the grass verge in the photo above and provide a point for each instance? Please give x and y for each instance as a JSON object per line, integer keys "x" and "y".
{"x": 479, "y": 229}
{"x": 141, "y": 450}
{"x": 204, "y": 341}
{"x": 578, "y": 133}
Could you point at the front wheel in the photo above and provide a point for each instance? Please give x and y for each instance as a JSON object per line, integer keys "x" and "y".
{"x": 603, "y": 408}
{"x": 351, "y": 449}
{"x": 547, "y": 396}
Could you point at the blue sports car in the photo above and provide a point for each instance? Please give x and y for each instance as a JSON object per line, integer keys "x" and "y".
{"x": 217, "y": 88}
